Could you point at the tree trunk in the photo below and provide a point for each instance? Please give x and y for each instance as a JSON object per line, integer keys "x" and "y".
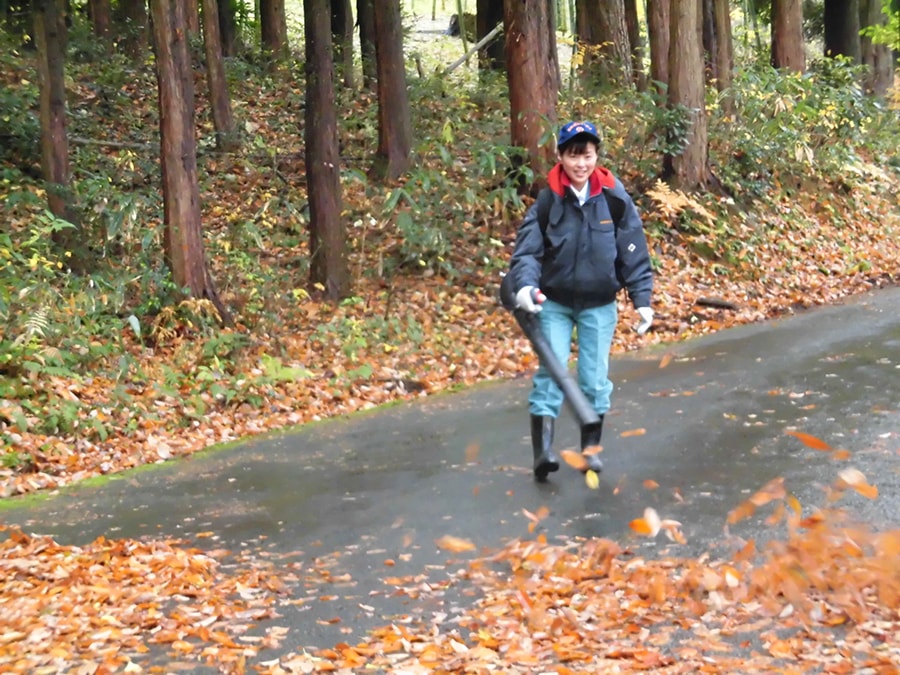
{"x": 183, "y": 239}
{"x": 603, "y": 35}
{"x": 488, "y": 14}
{"x": 688, "y": 170}
{"x": 328, "y": 267}
{"x": 100, "y": 13}
{"x": 365, "y": 15}
{"x": 658, "y": 12}
{"x": 192, "y": 16}
{"x": 133, "y": 19}
{"x": 220, "y": 101}
{"x": 342, "y": 34}
{"x": 717, "y": 43}
{"x": 393, "y": 157}
{"x": 228, "y": 27}
{"x": 787, "y": 35}
{"x": 877, "y": 57}
{"x": 50, "y": 38}
{"x": 633, "y": 25}
{"x": 842, "y": 29}
{"x": 273, "y": 28}
{"x": 725, "y": 53}
{"x": 532, "y": 72}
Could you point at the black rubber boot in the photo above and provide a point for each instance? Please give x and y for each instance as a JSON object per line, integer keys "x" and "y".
{"x": 545, "y": 460}
{"x": 590, "y": 436}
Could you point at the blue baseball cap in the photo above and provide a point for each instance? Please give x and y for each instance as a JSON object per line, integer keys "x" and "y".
{"x": 569, "y": 131}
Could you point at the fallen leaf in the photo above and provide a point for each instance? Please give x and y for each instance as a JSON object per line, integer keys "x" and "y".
{"x": 454, "y": 544}
{"x": 574, "y": 459}
{"x": 633, "y": 432}
{"x": 809, "y": 440}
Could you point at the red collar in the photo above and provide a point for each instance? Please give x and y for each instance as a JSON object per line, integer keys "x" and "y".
{"x": 558, "y": 180}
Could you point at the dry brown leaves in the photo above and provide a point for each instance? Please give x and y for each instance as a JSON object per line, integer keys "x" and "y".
{"x": 824, "y": 599}
{"x": 109, "y": 605}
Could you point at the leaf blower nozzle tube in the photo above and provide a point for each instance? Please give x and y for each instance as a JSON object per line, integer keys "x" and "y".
{"x": 530, "y": 324}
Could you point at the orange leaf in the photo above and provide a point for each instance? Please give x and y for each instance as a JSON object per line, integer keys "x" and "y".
{"x": 809, "y": 440}
{"x": 633, "y": 432}
{"x": 772, "y": 490}
{"x": 840, "y": 455}
{"x": 574, "y": 459}
{"x": 665, "y": 360}
{"x": 741, "y": 511}
{"x": 649, "y": 525}
{"x": 651, "y": 484}
{"x": 455, "y": 544}
{"x": 592, "y": 450}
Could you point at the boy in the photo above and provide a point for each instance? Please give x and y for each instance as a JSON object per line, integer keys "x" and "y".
{"x": 570, "y": 269}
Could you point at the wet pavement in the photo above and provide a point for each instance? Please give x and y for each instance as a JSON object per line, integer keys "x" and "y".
{"x": 366, "y": 497}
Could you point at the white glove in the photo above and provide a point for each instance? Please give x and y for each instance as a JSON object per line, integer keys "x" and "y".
{"x": 530, "y": 298}
{"x": 646, "y": 315}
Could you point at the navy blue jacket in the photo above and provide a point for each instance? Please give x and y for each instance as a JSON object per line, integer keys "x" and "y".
{"x": 583, "y": 260}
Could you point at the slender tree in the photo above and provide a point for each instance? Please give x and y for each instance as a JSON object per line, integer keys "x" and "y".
{"x": 50, "y": 38}
{"x": 532, "y": 72}
{"x": 488, "y": 14}
{"x": 688, "y": 169}
{"x": 603, "y": 37}
{"x": 220, "y": 101}
{"x": 100, "y": 13}
{"x": 342, "y": 32}
{"x": 658, "y": 12}
{"x": 842, "y": 29}
{"x": 787, "y": 35}
{"x": 635, "y": 40}
{"x": 877, "y": 57}
{"x": 365, "y": 16}
{"x": 273, "y": 28}
{"x": 717, "y": 43}
{"x": 328, "y": 267}
{"x": 132, "y": 20}
{"x": 183, "y": 238}
{"x": 393, "y": 157}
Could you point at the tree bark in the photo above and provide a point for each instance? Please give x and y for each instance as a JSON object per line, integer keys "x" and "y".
{"x": 133, "y": 20}
{"x": 223, "y": 119}
{"x": 842, "y": 29}
{"x": 787, "y": 35}
{"x": 342, "y": 32}
{"x": 328, "y": 267}
{"x": 532, "y": 72}
{"x": 603, "y": 35}
{"x": 273, "y": 28}
{"x": 633, "y": 25}
{"x": 365, "y": 15}
{"x": 725, "y": 54}
{"x": 192, "y": 16}
{"x": 393, "y": 157}
{"x": 877, "y": 57}
{"x": 228, "y": 27}
{"x": 688, "y": 170}
{"x": 50, "y": 38}
{"x": 658, "y": 12}
{"x": 488, "y": 14}
{"x": 717, "y": 43}
{"x": 182, "y": 239}
{"x": 100, "y": 13}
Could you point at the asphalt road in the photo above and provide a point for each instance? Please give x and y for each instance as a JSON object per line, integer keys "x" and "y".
{"x": 366, "y": 497}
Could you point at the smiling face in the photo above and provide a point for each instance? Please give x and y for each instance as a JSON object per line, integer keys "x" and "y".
{"x": 578, "y": 160}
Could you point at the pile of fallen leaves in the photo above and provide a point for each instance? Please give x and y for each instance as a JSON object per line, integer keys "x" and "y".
{"x": 825, "y": 599}
{"x": 107, "y": 605}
